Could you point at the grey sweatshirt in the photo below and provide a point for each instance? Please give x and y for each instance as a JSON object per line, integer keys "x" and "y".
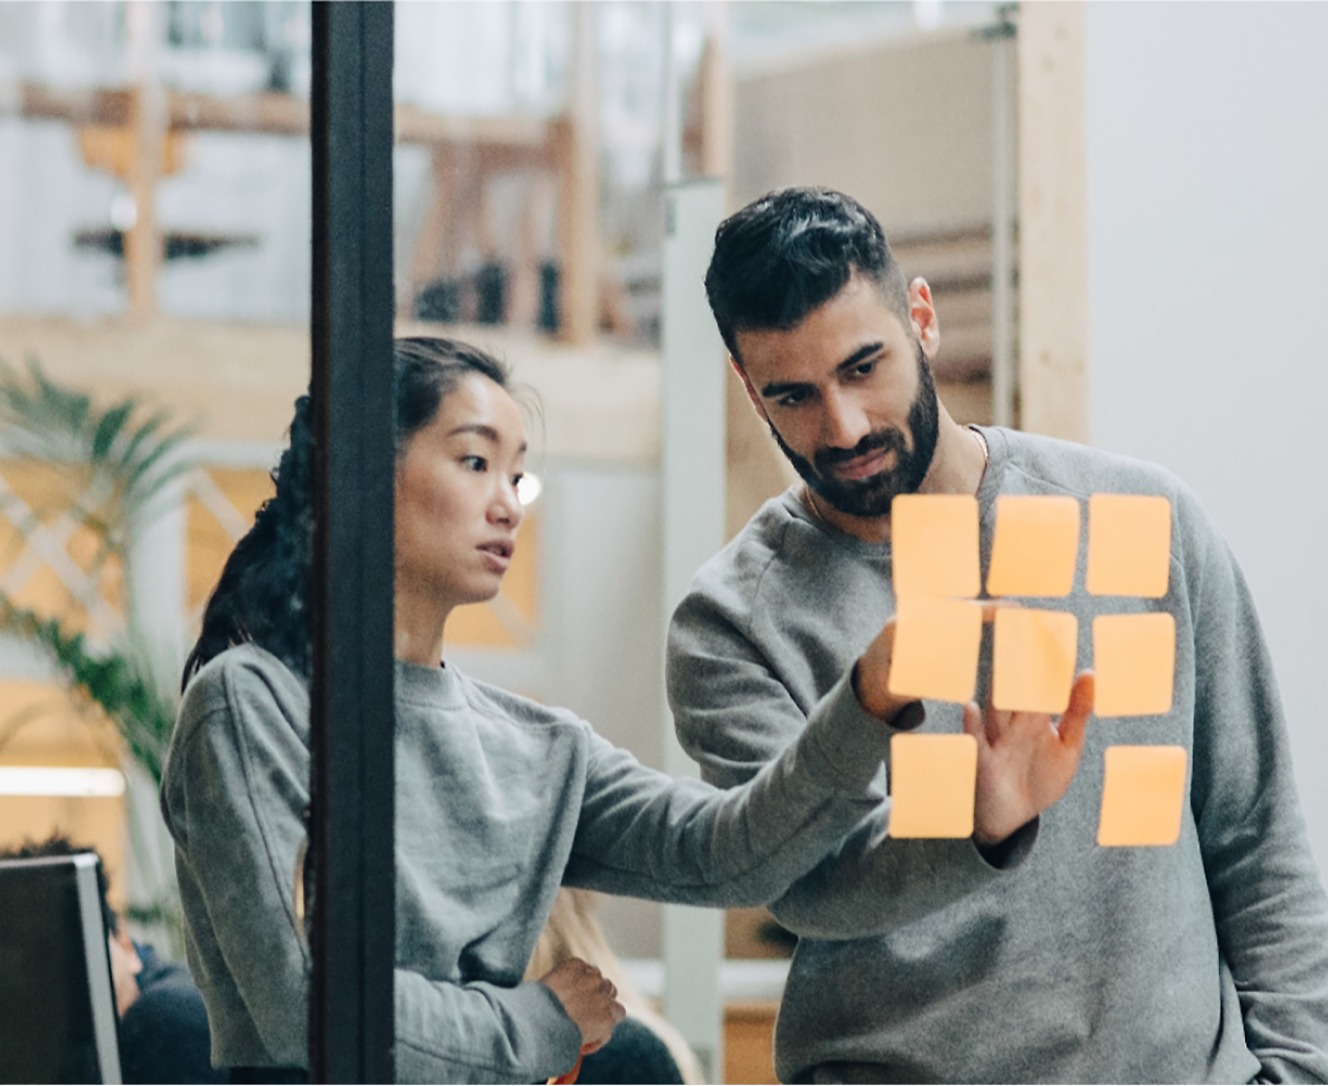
{"x": 1203, "y": 962}
{"x": 499, "y": 800}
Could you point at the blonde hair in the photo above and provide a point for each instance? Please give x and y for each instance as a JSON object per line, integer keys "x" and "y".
{"x": 573, "y": 932}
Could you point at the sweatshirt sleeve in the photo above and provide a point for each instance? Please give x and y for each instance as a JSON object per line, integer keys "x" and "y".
{"x": 1269, "y": 905}
{"x": 235, "y": 790}
{"x": 646, "y": 834}
{"x": 734, "y": 715}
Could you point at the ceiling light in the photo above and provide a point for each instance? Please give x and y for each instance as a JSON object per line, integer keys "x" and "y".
{"x": 41, "y": 780}
{"x": 528, "y": 489}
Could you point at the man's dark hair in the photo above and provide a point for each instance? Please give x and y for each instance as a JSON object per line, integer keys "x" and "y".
{"x": 791, "y": 251}
{"x": 60, "y": 845}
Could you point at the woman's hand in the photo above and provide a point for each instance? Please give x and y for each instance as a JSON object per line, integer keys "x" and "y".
{"x": 589, "y": 998}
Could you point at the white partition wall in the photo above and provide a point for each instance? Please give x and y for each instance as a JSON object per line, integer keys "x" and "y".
{"x": 692, "y": 472}
{"x": 1208, "y": 265}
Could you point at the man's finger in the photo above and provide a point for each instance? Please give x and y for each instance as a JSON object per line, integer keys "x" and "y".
{"x": 1074, "y": 721}
{"x": 974, "y": 725}
{"x": 990, "y": 608}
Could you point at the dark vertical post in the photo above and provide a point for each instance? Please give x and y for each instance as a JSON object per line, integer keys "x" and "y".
{"x": 351, "y": 828}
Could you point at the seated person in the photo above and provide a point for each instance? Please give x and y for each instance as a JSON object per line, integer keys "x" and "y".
{"x": 500, "y": 800}
{"x": 163, "y": 1023}
{"x": 645, "y": 1047}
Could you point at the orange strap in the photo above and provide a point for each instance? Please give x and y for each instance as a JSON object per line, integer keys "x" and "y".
{"x": 570, "y": 1076}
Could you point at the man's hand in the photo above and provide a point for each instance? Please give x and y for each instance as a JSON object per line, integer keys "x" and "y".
{"x": 871, "y": 678}
{"x": 590, "y": 1000}
{"x": 1025, "y": 763}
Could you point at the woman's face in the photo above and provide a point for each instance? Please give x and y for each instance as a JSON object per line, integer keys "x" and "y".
{"x": 456, "y": 505}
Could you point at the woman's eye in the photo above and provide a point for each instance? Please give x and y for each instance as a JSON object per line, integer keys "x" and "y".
{"x": 475, "y": 463}
{"x": 516, "y": 479}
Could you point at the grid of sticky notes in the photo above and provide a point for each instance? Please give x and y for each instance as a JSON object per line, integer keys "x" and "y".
{"x": 938, "y": 637}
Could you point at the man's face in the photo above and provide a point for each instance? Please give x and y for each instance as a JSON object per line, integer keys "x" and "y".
{"x": 849, "y": 396}
{"x": 125, "y": 967}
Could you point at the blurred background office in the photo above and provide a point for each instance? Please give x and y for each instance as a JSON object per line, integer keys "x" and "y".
{"x": 1119, "y": 207}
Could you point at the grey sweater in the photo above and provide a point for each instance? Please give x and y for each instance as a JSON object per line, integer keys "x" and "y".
{"x": 499, "y": 800}
{"x": 1202, "y": 962}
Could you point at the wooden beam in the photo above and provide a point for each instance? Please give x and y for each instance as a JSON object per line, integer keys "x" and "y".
{"x": 578, "y": 286}
{"x": 1053, "y": 221}
{"x": 426, "y": 259}
{"x": 715, "y": 106}
{"x": 517, "y": 133}
{"x": 147, "y": 127}
{"x": 276, "y": 114}
{"x": 41, "y": 103}
{"x": 524, "y": 288}
{"x": 524, "y": 139}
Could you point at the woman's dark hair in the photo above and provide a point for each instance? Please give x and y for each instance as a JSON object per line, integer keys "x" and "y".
{"x": 791, "y": 251}
{"x": 263, "y": 593}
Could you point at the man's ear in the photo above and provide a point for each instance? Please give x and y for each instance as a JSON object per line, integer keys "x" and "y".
{"x": 922, "y": 314}
{"x": 752, "y": 394}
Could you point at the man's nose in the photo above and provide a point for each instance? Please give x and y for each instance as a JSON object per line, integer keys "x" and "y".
{"x": 843, "y": 423}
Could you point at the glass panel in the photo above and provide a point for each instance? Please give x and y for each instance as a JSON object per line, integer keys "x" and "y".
{"x": 154, "y": 258}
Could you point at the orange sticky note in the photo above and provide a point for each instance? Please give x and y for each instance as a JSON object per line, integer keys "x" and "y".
{"x": 1134, "y": 659}
{"x": 933, "y": 779}
{"x": 936, "y": 649}
{"x": 1143, "y": 795}
{"x": 1032, "y": 661}
{"x": 1035, "y": 546}
{"x": 934, "y": 540}
{"x": 1129, "y": 545}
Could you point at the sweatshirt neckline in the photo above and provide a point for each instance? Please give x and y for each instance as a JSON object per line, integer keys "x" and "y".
{"x": 435, "y": 685}
{"x": 998, "y": 456}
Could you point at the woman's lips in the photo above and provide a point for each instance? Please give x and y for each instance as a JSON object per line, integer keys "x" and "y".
{"x": 497, "y": 555}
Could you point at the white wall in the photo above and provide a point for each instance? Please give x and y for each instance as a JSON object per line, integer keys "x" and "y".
{"x": 599, "y": 651}
{"x": 1208, "y": 258}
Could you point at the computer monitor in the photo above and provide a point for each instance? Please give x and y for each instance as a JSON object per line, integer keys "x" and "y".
{"x": 57, "y": 1002}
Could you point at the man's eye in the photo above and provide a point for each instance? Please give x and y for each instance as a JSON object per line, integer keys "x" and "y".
{"x": 516, "y": 479}
{"x": 864, "y": 369}
{"x": 475, "y": 463}
{"x": 792, "y": 399}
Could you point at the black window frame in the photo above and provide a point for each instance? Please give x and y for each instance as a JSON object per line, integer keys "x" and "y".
{"x": 352, "y": 857}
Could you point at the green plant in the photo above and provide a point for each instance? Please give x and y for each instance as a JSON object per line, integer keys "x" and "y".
{"x": 112, "y": 473}
{"x": 121, "y": 684}
{"x": 116, "y": 461}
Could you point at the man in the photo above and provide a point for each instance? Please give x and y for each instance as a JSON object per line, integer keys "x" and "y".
{"x": 163, "y": 1024}
{"x": 932, "y": 960}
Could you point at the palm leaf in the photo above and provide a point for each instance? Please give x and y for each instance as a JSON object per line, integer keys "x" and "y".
{"x": 118, "y": 459}
{"x": 108, "y": 429}
{"x": 120, "y": 683}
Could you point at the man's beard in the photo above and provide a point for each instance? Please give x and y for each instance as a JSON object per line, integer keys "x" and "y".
{"x": 873, "y": 496}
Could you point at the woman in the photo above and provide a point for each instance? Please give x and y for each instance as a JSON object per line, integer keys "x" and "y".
{"x": 499, "y": 800}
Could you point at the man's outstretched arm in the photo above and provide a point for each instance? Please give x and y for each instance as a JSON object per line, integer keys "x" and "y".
{"x": 733, "y": 714}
